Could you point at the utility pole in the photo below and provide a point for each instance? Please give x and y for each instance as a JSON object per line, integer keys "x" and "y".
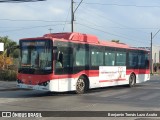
{"x": 72, "y": 16}
{"x": 151, "y": 62}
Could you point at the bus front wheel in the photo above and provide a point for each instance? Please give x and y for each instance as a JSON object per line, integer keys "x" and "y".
{"x": 81, "y": 85}
{"x": 132, "y": 80}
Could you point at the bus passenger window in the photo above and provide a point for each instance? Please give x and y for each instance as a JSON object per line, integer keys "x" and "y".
{"x": 147, "y": 61}
{"x": 110, "y": 58}
{"x": 59, "y": 62}
{"x": 141, "y": 60}
{"x": 64, "y": 57}
{"x": 121, "y": 59}
{"x": 96, "y": 58}
{"x": 132, "y": 60}
{"x": 81, "y": 57}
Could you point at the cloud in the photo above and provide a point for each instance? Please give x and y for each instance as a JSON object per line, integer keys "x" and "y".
{"x": 56, "y": 11}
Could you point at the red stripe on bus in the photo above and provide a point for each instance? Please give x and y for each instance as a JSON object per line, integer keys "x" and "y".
{"x": 26, "y": 78}
{"x": 137, "y": 71}
{"x": 112, "y": 80}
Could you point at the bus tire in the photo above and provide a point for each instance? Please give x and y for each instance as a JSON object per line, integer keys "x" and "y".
{"x": 132, "y": 80}
{"x": 81, "y": 85}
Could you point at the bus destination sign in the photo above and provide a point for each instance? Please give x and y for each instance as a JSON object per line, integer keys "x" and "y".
{"x": 37, "y": 43}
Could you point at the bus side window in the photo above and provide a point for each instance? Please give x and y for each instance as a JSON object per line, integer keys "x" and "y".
{"x": 80, "y": 57}
{"x": 141, "y": 60}
{"x": 147, "y": 63}
{"x": 121, "y": 59}
{"x": 96, "y": 58}
{"x": 110, "y": 58}
{"x": 133, "y": 60}
{"x": 64, "y": 57}
{"x": 59, "y": 62}
{"x": 147, "y": 60}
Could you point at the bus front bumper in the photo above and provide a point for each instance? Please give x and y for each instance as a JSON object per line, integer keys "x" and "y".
{"x": 33, "y": 87}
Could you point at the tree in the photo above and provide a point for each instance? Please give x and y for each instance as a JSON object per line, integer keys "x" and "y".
{"x": 15, "y": 53}
{"x": 8, "y": 45}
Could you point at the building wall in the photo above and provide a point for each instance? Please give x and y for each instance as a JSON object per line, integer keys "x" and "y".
{"x": 156, "y": 54}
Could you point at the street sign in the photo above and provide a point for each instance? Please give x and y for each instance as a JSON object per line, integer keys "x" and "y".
{"x": 1, "y": 46}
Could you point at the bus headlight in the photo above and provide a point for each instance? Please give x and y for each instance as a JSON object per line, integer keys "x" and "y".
{"x": 44, "y": 83}
{"x": 19, "y": 81}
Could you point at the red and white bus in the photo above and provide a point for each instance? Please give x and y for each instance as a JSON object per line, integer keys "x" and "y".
{"x": 61, "y": 62}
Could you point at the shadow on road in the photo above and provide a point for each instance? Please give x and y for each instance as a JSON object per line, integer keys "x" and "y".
{"x": 26, "y": 93}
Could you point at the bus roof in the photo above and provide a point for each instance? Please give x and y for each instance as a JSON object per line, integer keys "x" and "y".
{"x": 85, "y": 38}
{"x": 74, "y": 37}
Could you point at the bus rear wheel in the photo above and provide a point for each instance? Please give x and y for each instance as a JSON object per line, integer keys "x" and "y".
{"x": 132, "y": 80}
{"x": 81, "y": 85}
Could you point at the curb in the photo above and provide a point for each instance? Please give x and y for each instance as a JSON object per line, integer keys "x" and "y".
{"x": 8, "y": 85}
{"x": 9, "y": 89}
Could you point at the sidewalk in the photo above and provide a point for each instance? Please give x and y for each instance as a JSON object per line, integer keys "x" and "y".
{"x": 155, "y": 77}
{"x": 8, "y": 85}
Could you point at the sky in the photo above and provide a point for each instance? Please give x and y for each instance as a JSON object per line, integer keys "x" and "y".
{"x": 130, "y": 21}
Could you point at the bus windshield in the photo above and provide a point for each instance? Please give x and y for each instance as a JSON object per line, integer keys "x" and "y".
{"x": 36, "y": 56}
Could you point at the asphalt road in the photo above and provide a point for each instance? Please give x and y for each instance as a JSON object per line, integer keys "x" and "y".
{"x": 143, "y": 97}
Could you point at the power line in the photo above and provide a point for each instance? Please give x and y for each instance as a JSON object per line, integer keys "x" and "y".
{"x": 118, "y": 33}
{"x": 17, "y": 20}
{"x": 121, "y": 5}
{"x": 99, "y": 30}
{"x": 108, "y": 32}
{"x": 128, "y": 28}
{"x": 155, "y": 33}
{"x": 19, "y": 1}
{"x": 104, "y": 17}
{"x": 112, "y": 27}
{"x": 78, "y": 6}
{"x": 115, "y": 34}
{"x": 66, "y": 19}
{"x": 24, "y": 28}
{"x": 113, "y": 21}
{"x": 100, "y": 26}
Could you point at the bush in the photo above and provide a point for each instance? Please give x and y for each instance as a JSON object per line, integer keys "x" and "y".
{"x": 8, "y": 75}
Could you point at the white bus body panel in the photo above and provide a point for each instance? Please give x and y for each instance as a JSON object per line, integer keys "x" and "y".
{"x": 69, "y": 84}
